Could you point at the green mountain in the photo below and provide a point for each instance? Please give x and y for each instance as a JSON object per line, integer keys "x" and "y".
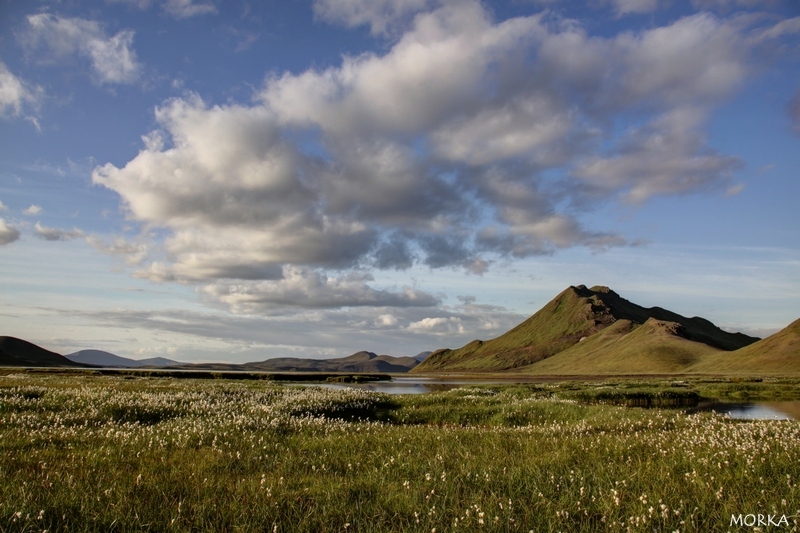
{"x": 17, "y": 352}
{"x": 655, "y": 347}
{"x": 777, "y": 354}
{"x": 575, "y": 317}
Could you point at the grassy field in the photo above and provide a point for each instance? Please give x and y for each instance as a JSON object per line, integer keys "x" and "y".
{"x": 125, "y": 453}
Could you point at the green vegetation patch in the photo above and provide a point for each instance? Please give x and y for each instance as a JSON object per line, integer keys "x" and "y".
{"x": 113, "y": 454}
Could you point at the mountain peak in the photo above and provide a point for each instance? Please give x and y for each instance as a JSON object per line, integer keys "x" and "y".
{"x": 577, "y": 312}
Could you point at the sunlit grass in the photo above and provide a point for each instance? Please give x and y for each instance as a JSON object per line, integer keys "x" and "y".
{"x": 110, "y": 454}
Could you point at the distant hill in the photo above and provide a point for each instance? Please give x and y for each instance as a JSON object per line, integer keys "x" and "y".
{"x": 358, "y": 362}
{"x": 422, "y": 356}
{"x": 107, "y": 359}
{"x": 574, "y": 317}
{"x": 17, "y": 352}
{"x": 777, "y": 354}
{"x": 366, "y": 362}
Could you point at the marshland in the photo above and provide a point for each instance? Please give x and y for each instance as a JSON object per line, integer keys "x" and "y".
{"x": 83, "y": 452}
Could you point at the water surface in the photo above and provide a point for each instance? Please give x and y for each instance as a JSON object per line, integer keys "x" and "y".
{"x": 785, "y": 410}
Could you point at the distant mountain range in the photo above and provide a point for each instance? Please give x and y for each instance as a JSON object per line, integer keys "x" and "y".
{"x": 596, "y": 332}
{"x": 17, "y": 352}
{"x": 422, "y": 356}
{"x": 358, "y": 362}
{"x": 106, "y": 359}
{"x": 580, "y": 332}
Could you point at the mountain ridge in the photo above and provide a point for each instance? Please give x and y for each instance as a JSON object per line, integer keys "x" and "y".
{"x": 574, "y": 314}
{"x": 108, "y": 359}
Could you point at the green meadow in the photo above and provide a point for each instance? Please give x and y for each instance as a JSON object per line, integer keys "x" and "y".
{"x": 125, "y": 453}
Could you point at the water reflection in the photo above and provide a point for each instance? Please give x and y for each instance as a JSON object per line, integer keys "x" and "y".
{"x": 785, "y": 410}
{"x": 399, "y": 385}
{"x": 752, "y": 411}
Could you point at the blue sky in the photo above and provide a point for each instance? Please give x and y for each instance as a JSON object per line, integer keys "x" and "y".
{"x": 232, "y": 181}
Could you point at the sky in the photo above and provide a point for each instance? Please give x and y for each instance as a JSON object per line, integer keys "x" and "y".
{"x": 234, "y": 181}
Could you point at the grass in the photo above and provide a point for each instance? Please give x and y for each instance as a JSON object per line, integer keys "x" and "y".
{"x": 113, "y": 453}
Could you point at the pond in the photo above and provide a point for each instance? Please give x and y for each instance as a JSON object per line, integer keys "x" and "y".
{"x": 786, "y": 410}
{"x": 783, "y": 410}
{"x": 399, "y": 385}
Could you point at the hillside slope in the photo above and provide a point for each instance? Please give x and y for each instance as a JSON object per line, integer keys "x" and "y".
{"x": 655, "y": 347}
{"x": 777, "y": 354}
{"x": 17, "y": 352}
{"x": 574, "y": 314}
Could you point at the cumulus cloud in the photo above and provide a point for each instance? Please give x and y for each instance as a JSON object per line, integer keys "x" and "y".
{"x": 15, "y": 94}
{"x": 239, "y": 199}
{"x": 55, "y": 234}
{"x": 669, "y": 155}
{"x": 379, "y": 15}
{"x": 436, "y": 70}
{"x": 32, "y": 210}
{"x": 112, "y": 57}
{"x": 461, "y": 144}
{"x": 8, "y": 234}
{"x": 438, "y": 326}
{"x": 386, "y": 321}
{"x": 534, "y": 127}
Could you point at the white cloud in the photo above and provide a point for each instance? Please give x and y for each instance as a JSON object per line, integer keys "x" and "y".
{"x": 532, "y": 127}
{"x": 112, "y": 57}
{"x": 697, "y": 59}
{"x": 378, "y": 14}
{"x": 15, "y": 94}
{"x": 134, "y": 253}
{"x": 3, "y": 206}
{"x": 667, "y": 156}
{"x": 32, "y": 210}
{"x": 386, "y": 321}
{"x": 436, "y": 70}
{"x": 8, "y": 234}
{"x": 438, "y": 326}
{"x": 313, "y": 332}
{"x": 188, "y": 8}
{"x": 240, "y": 201}
{"x": 301, "y": 287}
{"x": 467, "y": 141}
{"x": 55, "y": 234}
{"x": 781, "y": 29}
